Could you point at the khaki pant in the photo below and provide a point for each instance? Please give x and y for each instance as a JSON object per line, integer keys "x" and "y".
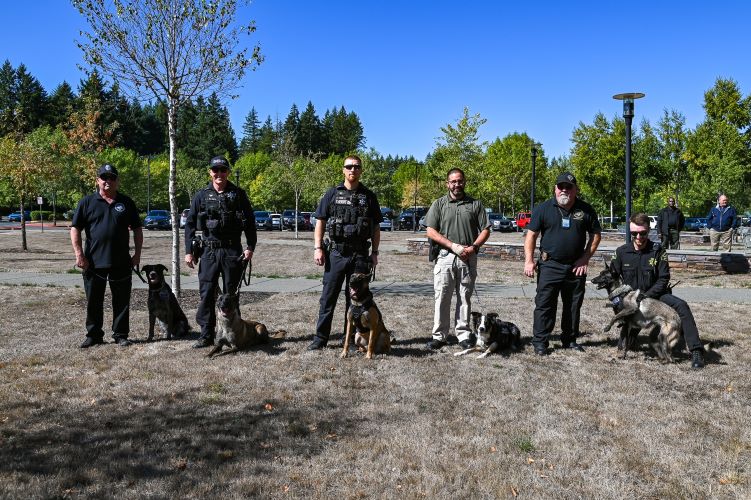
{"x": 451, "y": 275}
{"x": 724, "y": 237}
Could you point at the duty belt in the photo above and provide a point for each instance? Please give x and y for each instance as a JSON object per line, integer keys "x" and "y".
{"x": 348, "y": 248}
{"x": 217, "y": 243}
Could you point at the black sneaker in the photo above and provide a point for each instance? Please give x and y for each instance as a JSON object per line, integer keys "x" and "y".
{"x": 697, "y": 359}
{"x": 317, "y": 344}
{"x": 123, "y": 342}
{"x": 91, "y": 341}
{"x": 436, "y": 344}
{"x": 452, "y": 340}
{"x": 203, "y": 342}
{"x": 541, "y": 351}
{"x": 466, "y": 344}
{"x": 572, "y": 345}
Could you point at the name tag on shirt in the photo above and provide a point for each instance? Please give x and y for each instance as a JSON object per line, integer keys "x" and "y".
{"x": 565, "y": 222}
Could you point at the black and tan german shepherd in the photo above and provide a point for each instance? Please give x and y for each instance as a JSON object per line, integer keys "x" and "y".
{"x": 640, "y": 317}
{"x": 364, "y": 320}
{"x": 236, "y": 333}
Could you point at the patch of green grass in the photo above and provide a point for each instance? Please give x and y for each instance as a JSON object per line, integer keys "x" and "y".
{"x": 50, "y": 285}
{"x": 73, "y": 270}
{"x": 524, "y": 444}
{"x": 314, "y": 276}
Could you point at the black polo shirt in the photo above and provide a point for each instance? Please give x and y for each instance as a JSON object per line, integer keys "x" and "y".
{"x": 106, "y": 227}
{"x": 564, "y": 233}
{"x": 374, "y": 209}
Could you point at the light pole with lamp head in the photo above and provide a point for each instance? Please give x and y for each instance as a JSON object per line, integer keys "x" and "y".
{"x": 535, "y": 145}
{"x": 628, "y": 114}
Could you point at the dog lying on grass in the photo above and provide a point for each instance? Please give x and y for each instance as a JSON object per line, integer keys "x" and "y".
{"x": 364, "y": 319}
{"x": 641, "y": 316}
{"x": 163, "y": 305}
{"x": 234, "y": 332}
{"x": 493, "y": 335}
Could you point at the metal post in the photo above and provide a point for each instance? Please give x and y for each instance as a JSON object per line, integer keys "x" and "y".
{"x": 237, "y": 178}
{"x": 532, "y": 191}
{"x": 414, "y": 212}
{"x": 148, "y": 184}
{"x": 628, "y": 115}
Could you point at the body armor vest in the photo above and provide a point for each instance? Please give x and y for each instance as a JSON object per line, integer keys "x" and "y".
{"x": 220, "y": 215}
{"x": 348, "y": 220}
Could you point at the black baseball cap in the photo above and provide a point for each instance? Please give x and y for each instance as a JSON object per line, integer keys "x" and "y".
{"x": 566, "y": 177}
{"x": 218, "y": 162}
{"x": 107, "y": 169}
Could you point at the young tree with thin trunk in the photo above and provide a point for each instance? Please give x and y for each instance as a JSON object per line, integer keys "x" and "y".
{"x": 171, "y": 50}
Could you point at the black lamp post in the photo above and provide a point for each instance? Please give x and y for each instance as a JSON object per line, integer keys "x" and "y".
{"x": 535, "y": 145}
{"x": 148, "y": 184}
{"x": 628, "y": 114}
{"x": 414, "y": 211}
{"x": 237, "y": 177}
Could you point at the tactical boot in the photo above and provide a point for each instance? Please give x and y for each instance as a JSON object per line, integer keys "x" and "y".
{"x": 435, "y": 344}
{"x": 697, "y": 359}
{"x": 91, "y": 341}
{"x": 123, "y": 342}
{"x": 203, "y": 342}
{"x": 317, "y": 344}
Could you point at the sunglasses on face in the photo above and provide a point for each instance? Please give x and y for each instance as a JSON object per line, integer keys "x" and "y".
{"x": 223, "y": 170}
{"x": 565, "y": 186}
{"x": 352, "y": 166}
{"x": 108, "y": 178}
{"x": 643, "y": 234}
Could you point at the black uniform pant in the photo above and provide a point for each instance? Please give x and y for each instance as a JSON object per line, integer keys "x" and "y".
{"x": 94, "y": 283}
{"x": 671, "y": 240}
{"x": 215, "y": 261}
{"x": 555, "y": 278}
{"x": 688, "y": 324}
{"x": 336, "y": 269}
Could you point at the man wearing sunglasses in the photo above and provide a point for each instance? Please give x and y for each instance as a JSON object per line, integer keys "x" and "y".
{"x": 351, "y": 215}
{"x": 570, "y": 234}
{"x": 222, "y": 212}
{"x": 643, "y": 265}
{"x": 107, "y": 217}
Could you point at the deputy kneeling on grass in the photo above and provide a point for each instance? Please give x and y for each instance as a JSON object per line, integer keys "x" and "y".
{"x": 459, "y": 225}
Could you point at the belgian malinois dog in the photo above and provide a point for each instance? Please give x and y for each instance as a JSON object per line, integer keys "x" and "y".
{"x": 163, "y": 305}
{"x": 364, "y": 320}
{"x": 645, "y": 316}
{"x": 234, "y": 332}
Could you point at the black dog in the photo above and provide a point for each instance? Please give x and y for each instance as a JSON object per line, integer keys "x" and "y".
{"x": 163, "y": 304}
{"x": 493, "y": 335}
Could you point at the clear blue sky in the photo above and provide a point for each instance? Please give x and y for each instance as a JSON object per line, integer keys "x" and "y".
{"x": 408, "y": 68}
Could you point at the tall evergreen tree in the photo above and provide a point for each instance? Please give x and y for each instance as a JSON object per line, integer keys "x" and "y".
{"x": 310, "y": 133}
{"x": 31, "y": 101}
{"x": 251, "y": 133}
{"x": 291, "y": 127}
{"x": 61, "y": 105}
{"x": 7, "y": 98}
{"x": 268, "y": 137}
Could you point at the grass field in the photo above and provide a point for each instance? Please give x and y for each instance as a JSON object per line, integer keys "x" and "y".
{"x": 160, "y": 420}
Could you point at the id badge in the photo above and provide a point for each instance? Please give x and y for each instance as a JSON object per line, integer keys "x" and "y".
{"x": 565, "y": 222}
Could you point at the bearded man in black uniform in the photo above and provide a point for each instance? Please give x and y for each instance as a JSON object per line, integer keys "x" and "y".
{"x": 222, "y": 212}
{"x": 570, "y": 235}
{"x": 351, "y": 215}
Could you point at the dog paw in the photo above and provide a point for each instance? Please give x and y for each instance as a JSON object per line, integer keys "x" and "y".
{"x": 483, "y": 355}
{"x": 343, "y": 354}
{"x": 369, "y": 355}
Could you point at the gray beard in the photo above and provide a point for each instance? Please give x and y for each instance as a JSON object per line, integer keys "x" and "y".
{"x": 563, "y": 199}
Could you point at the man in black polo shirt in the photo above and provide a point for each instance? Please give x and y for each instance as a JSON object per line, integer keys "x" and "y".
{"x": 222, "y": 212}
{"x": 570, "y": 234}
{"x": 106, "y": 217}
{"x": 351, "y": 215}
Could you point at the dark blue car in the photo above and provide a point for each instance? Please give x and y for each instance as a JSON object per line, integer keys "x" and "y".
{"x": 16, "y": 216}
{"x": 158, "y": 219}
{"x": 263, "y": 219}
{"x": 695, "y": 223}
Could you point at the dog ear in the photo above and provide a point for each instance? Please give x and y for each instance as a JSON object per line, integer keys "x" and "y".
{"x": 162, "y": 267}
{"x": 147, "y": 268}
{"x": 476, "y": 314}
{"x": 493, "y": 316}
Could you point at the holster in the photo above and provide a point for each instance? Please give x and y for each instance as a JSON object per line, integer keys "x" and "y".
{"x": 196, "y": 248}
{"x": 433, "y": 250}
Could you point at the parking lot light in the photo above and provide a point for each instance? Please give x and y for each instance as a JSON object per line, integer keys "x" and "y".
{"x": 628, "y": 114}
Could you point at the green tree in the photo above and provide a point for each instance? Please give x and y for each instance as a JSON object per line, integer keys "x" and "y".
{"x": 251, "y": 133}
{"x": 170, "y": 50}
{"x": 310, "y": 131}
{"x": 31, "y": 101}
{"x": 7, "y": 99}
{"x": 61, "y": 105}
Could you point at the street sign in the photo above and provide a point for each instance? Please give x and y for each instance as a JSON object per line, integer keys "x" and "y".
{"x": 40, "y": 200}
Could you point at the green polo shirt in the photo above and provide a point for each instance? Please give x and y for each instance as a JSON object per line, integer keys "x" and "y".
{"x": 458, "y": 220}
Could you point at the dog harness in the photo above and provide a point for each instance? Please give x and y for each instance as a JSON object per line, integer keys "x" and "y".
{"x": 358, "y": 310}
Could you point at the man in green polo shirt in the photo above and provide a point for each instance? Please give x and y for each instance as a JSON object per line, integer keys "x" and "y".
{"x": 459, "y": 225}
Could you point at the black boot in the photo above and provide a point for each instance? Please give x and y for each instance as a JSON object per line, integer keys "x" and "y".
{"x": 697, "y": 359}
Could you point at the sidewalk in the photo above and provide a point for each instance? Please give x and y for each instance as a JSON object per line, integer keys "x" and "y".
{"x": 299, "y": 285}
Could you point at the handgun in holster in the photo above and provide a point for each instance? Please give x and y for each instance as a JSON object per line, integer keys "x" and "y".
{"x": 196, "y": 248}
{"x": 433, "y": 250}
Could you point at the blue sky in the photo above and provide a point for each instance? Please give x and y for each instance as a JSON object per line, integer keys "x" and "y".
{"x": 409, "y": 68}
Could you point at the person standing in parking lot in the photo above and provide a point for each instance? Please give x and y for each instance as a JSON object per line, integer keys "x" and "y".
{"x": 670, "y": 222}
{"x": 459, "y": 224}
{"x": 222, "y": 212}
{"x": 721, "y": 221}
{"x": 107, "y": 217}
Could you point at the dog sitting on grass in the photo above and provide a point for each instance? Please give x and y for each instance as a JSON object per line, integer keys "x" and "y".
{"x": 364, "y": 320}
{"x": 236, "y": 333}
{"x": 163, "y": 305}
{"x": 493, "y": 335}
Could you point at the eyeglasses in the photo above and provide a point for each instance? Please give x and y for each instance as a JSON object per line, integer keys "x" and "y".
{"x": 108, "y": 177}
{"x": 565, "y": 186}
{"x": 456, "y": 183}
{"x": 222, "y": 170}
{"x": 643, "y": 234}
{"x": 353, "y": 166}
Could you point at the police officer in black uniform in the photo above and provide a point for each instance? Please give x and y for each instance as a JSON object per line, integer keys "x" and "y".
{"x": 570, "y": 235}
{"x": 643, "y": 265}
{"x": 106, "y": 217}
{"x": 222, "y": 212}
{"x": 351, "y": 215}
{"x": 670, "y": 222}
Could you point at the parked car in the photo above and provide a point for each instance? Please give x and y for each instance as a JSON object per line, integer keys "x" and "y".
{"x": 16, "y": 216}
{"x": 695, "y": 223}
{"x": 276, "y": 221}
{"x": 421, "y": 226}
{"x": 387, "y": 213}
{"x": 184, "y": 217}
{"x": 309, "y": 220}
{"x": 263, "y": 220}
{"x": 157, "y": 219}
{"x": 406, "y": 218}
{"x": 500, "y": 223}
{"x": 386, "y": 224}
{"x": 522, "y": 219}
{"x": 288, "y": 220}
{"x": 610, "y": 222}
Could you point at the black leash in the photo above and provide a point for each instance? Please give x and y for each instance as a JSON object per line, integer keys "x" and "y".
{"x": 244, "y": 275}
{"x": 104, "y": 278}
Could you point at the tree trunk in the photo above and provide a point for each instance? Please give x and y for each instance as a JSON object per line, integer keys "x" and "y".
{"x": 24, "y": 246}
{"x": 174, "y": 209}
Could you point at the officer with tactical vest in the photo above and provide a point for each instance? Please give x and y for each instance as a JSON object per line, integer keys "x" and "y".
{"x": 351, "y": 215}
{"x": 222, "y": 213}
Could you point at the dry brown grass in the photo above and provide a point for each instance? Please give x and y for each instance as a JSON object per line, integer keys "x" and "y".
{"x": 160, "y": 420}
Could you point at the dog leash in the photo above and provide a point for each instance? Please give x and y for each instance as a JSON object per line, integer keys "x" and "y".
{"x": 111, "y": 280}
{"x": 244, "y": 276}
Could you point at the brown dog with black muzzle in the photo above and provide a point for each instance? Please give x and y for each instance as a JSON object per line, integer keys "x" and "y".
{"x": 233, "y": 331}
{"x": 365, "y": 320}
